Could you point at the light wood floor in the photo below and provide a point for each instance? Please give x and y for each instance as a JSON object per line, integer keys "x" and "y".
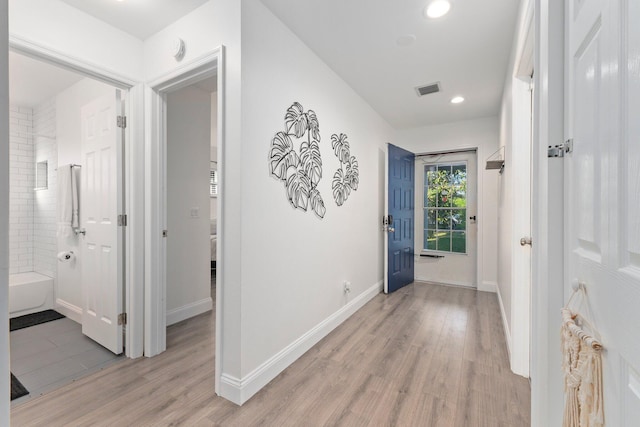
{"x": 424, "y": 356}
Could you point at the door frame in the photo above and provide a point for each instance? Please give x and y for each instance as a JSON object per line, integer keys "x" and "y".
{"x": 547, "y": 395}
{"x": 472, "y": 155}
{"x": 207, "y": 65}
{"x": 133, "y": 173}
{"x": 521, "y": 195}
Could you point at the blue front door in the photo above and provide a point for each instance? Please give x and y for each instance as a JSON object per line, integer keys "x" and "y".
{"x": 400, "y": 191}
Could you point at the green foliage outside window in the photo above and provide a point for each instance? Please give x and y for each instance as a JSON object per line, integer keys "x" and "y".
{"x": 445, "y": 203}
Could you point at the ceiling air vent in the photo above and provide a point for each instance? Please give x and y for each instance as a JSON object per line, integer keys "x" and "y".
{"x": 426, "y": 90}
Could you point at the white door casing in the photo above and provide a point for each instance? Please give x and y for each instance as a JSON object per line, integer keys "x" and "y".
{"x": 100, "y": 205}
{"x": 521, "y": 224}
{"x": 602, "y": 188}
{"x": 453, "y": 269}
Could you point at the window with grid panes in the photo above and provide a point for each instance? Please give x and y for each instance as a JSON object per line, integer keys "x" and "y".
{"x": 445, "y": 207}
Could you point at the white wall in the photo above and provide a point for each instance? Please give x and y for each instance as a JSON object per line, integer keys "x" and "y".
{"x": 188, "y": 249}
{"x": 483, "y": 135}
{"x": 45, "y": 243}
{"x": 22, "y": 170}
{"x": 293, "y": 263}
{"x": 68, "y": 135}
{"x": 77, "y": 35}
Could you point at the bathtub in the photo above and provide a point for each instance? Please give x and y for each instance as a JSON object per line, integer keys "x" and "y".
{"x": 29, "y": 293}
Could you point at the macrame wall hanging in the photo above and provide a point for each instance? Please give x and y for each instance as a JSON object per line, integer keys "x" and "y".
{"x": 582, "y": 367}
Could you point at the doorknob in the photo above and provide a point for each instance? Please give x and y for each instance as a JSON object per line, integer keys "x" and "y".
{"x": 525, "y": 241}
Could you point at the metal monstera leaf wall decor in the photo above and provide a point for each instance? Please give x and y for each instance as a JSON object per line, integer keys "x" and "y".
{"x": 301, "y": 171}
{"x": 346, "y": 177}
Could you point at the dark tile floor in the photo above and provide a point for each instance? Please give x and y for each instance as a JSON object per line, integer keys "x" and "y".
{"x": 47, "y": 356}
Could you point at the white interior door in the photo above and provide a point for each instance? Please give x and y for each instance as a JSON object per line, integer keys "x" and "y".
{"x": 602, "y": 188}
{"x": 100, "y": 204}
{"x": 446, "y": 224}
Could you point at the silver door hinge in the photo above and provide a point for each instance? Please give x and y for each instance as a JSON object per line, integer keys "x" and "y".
{"x": 122, "y": 121}
{"x": 561, "y": 149}
{"x": 122, "y": 220}
{"x": 122, "y": 319}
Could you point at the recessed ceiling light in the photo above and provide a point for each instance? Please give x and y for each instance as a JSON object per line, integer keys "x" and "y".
{"x": 437, "y": 8}
{"x": 457, "y": 100}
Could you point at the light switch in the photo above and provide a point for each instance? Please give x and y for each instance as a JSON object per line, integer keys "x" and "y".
{"x": 195, "y": 212}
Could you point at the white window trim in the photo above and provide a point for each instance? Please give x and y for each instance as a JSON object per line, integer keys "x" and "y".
{"x": 420, "y": 208}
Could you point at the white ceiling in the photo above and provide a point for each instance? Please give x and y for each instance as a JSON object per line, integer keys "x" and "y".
{"x": 467, "y": 51}
{"x": 31, "y": 82}
{"x": 140, "y": 18}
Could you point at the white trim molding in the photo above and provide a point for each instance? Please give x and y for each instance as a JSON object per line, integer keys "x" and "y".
{"x": 507, "y": 331}
{"x": 188, "y": 311}
{"x": 447, "y": 283}
{"x": 488, "y": 286}
{"x": 73, "y": 312}
{"x": 240, "y": 390}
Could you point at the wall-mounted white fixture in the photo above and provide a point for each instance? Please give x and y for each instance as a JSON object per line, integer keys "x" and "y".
{"x": 178, "y": 49}
{"x": 437, "y": 9}
{"x": 457, "y": 99}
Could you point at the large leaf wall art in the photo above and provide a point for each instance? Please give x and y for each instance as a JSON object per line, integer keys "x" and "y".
{"x": 346, "y": 177}
{"x": 300, "y": 172}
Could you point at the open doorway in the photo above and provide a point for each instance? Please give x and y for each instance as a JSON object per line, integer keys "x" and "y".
{"x": 66, "y": 246}
{"x": 191, "y": 194}
{"x": 196, "y": 215}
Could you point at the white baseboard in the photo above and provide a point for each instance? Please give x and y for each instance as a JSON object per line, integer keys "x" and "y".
{"x": 447, "y": 283}
{"x": 190, "y": 310}
{"x": 240, "y": 390}
{"x": 507, "y": 332}
{"x": 487, "y": 286}
{"x": 73, "y": 312}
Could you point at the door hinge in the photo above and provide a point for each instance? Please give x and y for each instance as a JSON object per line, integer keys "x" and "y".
{"x": 122, "y": 220}
{"x": 122, "y": 121}
{"x": 561, "y": 149}
{"x": 122, "y": 319}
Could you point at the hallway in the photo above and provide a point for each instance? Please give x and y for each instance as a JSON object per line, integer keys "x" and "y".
{"x": 425, "y": 356}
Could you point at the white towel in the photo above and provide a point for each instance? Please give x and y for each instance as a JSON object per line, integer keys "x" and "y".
{"x": 75, "y": 217}
{"x": 68, "y": 219}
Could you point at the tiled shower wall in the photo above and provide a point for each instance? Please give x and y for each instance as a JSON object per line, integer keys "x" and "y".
{"x": 21, "y": 182}
{"x": 32, "y": 218}
{"x": 44, "y": 222}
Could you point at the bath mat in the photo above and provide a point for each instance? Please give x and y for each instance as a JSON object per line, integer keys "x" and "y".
{"x": 17, "y": 389}
{"x": 33, "y": 319}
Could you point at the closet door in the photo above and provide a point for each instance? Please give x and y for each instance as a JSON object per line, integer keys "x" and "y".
{"x": 100, "y": 205}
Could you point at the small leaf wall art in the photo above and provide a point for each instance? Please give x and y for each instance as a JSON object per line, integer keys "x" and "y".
{"x": 346, "y": 179}
{"x": 299, "y": 171}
